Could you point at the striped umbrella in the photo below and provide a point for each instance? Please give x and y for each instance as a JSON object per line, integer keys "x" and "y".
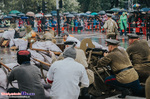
{"x": 136, "y": 5}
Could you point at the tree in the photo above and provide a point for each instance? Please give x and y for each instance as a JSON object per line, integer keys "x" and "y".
{"x": 95, "y": 6}
{"x": 84, "y": 5}
{"x": 70, "y": 5}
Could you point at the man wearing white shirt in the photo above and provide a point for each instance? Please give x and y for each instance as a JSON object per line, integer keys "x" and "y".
{"x": 67, "y": 37}
{"x": 66, "y": 76}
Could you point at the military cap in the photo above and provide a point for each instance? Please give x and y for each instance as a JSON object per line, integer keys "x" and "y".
{"x": 112, "y": 42}
{"x": 109, "y": 15}
{"x": 133, "y": 36}
{"x": 65, "y": 33}
{"x": 70, "y": 42}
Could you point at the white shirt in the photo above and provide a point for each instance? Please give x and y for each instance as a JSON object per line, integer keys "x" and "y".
{"x": 69, "y": 38}
{"x": 66, "y": 75}
{"x": 35, "y": 23}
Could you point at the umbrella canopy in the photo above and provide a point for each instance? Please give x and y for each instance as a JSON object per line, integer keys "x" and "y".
{"x": 53, "y": 12}
{"x": 8, "y": 17}
{"x": 102, "y": 13}
{"x": 66, "y": 13}
{"x": 136, "y": 5}
{"x": 115, "y": 9}
{"x": 73, "y": 12}
{"x": 109, "y": 11}
{"x": 145, "y": 9}
{"x": 30, "y": 14}
{"x": 24, "y": 17}
{"x": 48, "y": 15}
{"x": 17, "y": 16}
{"x": 38, "y": 15}
{"x": 14, "y": 12}
{"x": 82, "y": 14}
{"x": 21, "y": 14}
{"x": 122, "y": 10}
{"x": 94, "y": 13}
{"x": 88, "y": 12}
{"x": 13, "y": 15}
{"x": 70, "y": 15}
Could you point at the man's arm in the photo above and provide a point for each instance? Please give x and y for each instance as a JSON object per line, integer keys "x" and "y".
{"x": 10, "y": 76}
{"x": 54, "y": 57}
{"x": 116, "y": 25}
{"x": 105, "y": 25}
{"x": 50, "y": 75}
{"x": 84, "y": 78}
{"x": 104, "y": 61}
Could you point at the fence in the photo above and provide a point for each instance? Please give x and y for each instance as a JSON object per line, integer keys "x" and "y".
{"x": 132, "y": 28}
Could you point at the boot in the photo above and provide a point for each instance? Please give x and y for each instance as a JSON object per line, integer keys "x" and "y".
{"x": 124, "y": 91}
{"x": 85, "y": 94}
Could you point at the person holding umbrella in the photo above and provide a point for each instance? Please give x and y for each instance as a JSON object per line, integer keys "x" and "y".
{"x": 123, "y": 24}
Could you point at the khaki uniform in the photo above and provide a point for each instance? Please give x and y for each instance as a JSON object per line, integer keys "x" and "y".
{"x": 80, "y": 58}
{"x": 109, "y": 25}
{"x": 118, "y": 59}
{"x": 48, "y": 36}
{"x": 147, "y": 88}
{"x": 139, "y": 54}
{"x": 53, "y": 32}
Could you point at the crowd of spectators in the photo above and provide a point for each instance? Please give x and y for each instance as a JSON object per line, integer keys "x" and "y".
{"x": 81, "y": 23}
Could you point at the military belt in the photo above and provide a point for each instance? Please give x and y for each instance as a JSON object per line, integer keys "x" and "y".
{"x": 48, "y": 39}
{"x": 147, "y": 62}
{"x": 117, "y": 72}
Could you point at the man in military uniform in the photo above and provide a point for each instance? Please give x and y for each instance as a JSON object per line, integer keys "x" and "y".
{"x": 139, "y": 54}
{"x": 48, "y": 36}
{"x": 124, "y": 75}
{"x": 147, "y": 89}
{"x": 52, "y": 31}
{"x": 110, "y": 25}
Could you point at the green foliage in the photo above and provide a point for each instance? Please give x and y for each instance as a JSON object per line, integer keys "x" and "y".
{"x": 95, "y": 6}
{"x": 32, "y": 5}
{"x": 84, "y": 5}
{"x": 68, "y": 5}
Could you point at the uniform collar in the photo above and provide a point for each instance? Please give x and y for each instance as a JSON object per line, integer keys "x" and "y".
{"x": 69, "y": 58}
{"x": 136, "y": 41}
{"x": 114, "y": 49}
{"x": 25, "y": 63}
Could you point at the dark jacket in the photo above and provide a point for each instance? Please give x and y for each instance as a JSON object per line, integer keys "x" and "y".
{"x": 29, "y": 80}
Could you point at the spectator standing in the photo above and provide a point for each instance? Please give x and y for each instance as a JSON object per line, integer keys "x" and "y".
{"x": 123, "y": 24}
{"x": 35, "y": 25}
